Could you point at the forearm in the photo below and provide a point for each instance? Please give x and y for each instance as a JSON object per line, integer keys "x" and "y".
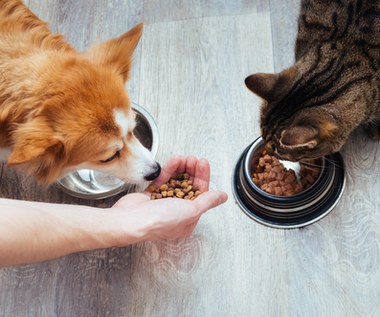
{"x": 33, "y": 232}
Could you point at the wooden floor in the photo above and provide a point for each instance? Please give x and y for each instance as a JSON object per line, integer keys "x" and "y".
{"x": 189, "y": 73}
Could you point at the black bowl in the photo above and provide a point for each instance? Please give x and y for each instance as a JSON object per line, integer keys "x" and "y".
{"x": 294, "y": 211}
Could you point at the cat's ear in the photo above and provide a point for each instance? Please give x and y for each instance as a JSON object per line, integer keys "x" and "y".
{"x": 263, "y": 85}
{"x": 271, "y": 86}
{"x": 308, "y": 135}
{"x": 299, "y": 136}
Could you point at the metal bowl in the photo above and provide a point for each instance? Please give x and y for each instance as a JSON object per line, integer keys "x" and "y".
{"x": 91, "y": 184}
{"x": 294, "y": 211}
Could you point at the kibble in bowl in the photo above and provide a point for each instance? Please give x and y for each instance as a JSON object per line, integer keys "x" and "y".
{"x": 273, "y": 195}
{"x": 179, "y": 187}
{"x": 270, "y": 175}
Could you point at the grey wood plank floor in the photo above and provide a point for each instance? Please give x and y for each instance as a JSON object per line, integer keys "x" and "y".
{"x": 189, "y": 73}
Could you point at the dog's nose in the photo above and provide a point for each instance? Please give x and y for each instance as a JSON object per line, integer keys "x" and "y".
{"x": 153, "y": 175}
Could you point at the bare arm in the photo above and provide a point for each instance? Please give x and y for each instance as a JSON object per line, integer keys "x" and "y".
{"x": 33, "y": 232}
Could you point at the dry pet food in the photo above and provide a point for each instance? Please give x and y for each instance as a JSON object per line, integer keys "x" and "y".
{"x": 179, "y": 187}
{"x": 272, "y": 177}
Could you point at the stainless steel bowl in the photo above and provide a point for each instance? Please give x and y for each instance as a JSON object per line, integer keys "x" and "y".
{"x": 294, "y": 211}
{"x": 91, "y": 184}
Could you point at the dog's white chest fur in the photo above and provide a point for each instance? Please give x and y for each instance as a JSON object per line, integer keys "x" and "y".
{"x": 4, "y": 153}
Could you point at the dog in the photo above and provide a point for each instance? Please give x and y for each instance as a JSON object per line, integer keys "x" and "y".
{"x": 62, "y": 110}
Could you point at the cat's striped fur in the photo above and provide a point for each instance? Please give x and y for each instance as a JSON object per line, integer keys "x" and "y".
{"x": 311, "y": 108}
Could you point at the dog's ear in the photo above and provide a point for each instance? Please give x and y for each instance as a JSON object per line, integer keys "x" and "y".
{"x": 29, "y": 148}
{"x": 37, "y": 150}
{"x": 117, "y": 52}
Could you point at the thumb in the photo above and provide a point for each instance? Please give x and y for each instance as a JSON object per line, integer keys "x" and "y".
{"x": 208, "y": 200}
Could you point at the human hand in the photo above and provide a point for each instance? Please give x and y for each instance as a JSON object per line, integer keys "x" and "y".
{"x": 65, "y": 229}
{"x": 169, "y": 218}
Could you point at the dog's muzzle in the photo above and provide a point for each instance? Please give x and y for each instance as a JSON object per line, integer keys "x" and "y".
{"x": 153, "y": 175}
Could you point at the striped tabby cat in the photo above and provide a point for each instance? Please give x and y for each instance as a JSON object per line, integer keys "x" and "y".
{"x": 310, "y": 109}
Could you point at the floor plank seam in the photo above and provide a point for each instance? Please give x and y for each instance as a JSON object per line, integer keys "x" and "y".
{"x": 197, "y": 18}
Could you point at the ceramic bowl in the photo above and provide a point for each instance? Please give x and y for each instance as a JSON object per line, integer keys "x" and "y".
{"x": 294, "y": 211}
{"x": 91, "y": 184}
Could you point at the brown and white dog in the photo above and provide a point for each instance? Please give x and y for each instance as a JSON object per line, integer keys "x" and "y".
{"x": 61, "y": 110}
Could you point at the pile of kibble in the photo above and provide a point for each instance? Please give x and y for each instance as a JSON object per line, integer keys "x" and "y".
{"x": 272, "y": 177}
{"x": 179, "y": 187}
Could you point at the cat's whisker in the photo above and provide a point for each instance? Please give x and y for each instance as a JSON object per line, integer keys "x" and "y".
{"x": 333, "y": 163}
{"x": 313, "y": 165}
{"x": 310, "y": 164}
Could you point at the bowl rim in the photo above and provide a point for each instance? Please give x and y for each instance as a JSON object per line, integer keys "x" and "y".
{"x": 293, "y": 224}
{"x": 153, "y": 125}
{"x": 293, "y": 199}
{"x": 123, "y": 186}
{"x": 247, "y": 169}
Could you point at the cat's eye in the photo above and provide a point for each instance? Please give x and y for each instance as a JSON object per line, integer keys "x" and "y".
{"x": 110, "y": 159}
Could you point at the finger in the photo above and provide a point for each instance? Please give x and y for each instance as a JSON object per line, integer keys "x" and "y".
{"x": 174, "y": 164}
{"x": 209, "y": 200}
{"x": 202, "y": 175}
{"x": 191, "y": 163}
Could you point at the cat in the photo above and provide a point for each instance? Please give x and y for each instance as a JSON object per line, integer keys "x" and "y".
{"x": 310, "y": 109}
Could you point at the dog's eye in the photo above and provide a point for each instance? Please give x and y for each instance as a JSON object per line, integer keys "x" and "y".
{"x": 116, "y": 155}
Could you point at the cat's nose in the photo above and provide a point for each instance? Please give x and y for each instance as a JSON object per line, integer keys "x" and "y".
{"x": 269, "y": 148}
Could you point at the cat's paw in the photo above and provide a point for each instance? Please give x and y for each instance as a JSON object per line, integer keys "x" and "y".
{"x": 373, "y": 130}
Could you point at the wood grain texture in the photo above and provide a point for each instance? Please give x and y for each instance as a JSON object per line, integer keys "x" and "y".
{"x": 284, "y": 21}
{"x": 189, "y": 73}
{"x": 177, "y": 10}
